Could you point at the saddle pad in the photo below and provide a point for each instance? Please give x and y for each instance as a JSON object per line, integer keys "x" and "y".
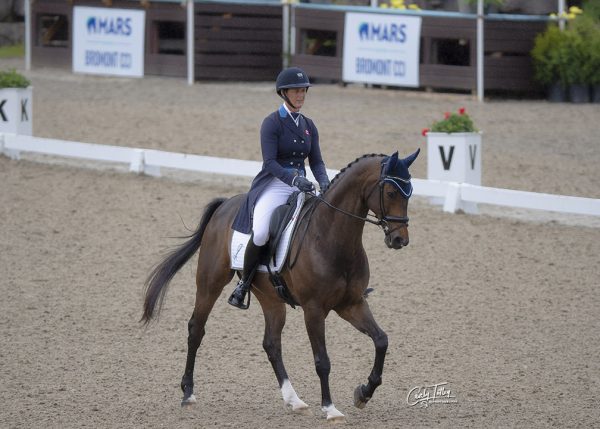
{"x": 240, "y": 240}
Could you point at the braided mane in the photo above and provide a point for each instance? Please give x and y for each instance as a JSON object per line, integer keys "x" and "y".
{"x": 368, "y": 155}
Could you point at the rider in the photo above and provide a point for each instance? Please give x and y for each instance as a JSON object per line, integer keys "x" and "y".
{"x": 287, "y": 138}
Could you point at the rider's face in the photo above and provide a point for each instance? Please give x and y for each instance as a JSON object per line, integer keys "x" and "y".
{"x": 296, "y": 96}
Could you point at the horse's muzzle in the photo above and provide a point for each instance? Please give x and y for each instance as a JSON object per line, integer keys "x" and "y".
{"x": 396, "y": 242}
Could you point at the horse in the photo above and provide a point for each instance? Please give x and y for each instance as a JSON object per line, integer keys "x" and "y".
{"x": 327, "y": 270}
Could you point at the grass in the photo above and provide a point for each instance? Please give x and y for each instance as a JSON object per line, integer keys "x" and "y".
{"x": 14, "y": 51}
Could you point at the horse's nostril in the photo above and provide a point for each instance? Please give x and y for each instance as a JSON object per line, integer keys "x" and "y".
{"x": 399, "y": 242}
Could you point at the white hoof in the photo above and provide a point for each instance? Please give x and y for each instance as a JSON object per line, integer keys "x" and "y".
{"x": 291, "y": 399}
{"x": 298, "y": 406}
{"x": 333, "y": 415}
{"x": 189, "y": 401}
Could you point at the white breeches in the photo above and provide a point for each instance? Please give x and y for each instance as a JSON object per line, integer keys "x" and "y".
{"x": 275, "y": 194}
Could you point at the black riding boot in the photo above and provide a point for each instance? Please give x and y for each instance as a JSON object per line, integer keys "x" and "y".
{"x": 251, "y": 260}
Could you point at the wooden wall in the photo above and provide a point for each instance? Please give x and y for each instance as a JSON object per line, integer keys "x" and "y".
{"x": 238, "y": 42}
{"x": 243, "y": 42}
{"x": 507, "y": 63}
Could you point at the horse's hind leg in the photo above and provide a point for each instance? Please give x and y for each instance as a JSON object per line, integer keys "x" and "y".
{"x": 274, "y": 313}
{"x": 210, "y": 281}
{"x": 361, "y": 318}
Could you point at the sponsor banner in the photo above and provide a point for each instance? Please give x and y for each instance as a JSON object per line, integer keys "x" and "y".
{"x": 108, "y": 41}
{"x": 382, "y": 49}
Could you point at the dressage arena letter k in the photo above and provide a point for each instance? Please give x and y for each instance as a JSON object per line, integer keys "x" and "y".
{"x": 4, "y": 118}
{"x": 446, "y": 162}
{"x": 24, "y": 116}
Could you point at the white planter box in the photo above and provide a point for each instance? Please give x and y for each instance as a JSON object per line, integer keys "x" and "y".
{"x": 16, "y": 110}
{"x": 454, "y": 157}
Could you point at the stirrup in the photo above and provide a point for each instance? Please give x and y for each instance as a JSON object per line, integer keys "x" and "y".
{"x": 239, "y": 294}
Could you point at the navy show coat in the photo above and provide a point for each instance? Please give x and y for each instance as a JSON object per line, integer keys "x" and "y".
{"x": 284, "y": 146}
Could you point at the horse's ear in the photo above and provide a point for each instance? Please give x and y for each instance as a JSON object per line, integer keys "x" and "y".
{"x": 410, "y": 158}
{"x": 391, "y": 162}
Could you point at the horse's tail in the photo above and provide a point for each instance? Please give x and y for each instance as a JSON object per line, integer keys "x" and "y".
{"x": 160, "y": 277}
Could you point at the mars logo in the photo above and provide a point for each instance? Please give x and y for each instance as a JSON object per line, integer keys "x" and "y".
{"x": 114, "y": 26}
{"x": 369, "y": 31}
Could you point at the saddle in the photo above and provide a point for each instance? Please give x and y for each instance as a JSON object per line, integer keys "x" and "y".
{"x": 272, "y": 260}
{"x": 280, "y": 219}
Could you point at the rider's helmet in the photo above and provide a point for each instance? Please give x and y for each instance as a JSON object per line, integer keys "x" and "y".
{"x": 292, "y": 77}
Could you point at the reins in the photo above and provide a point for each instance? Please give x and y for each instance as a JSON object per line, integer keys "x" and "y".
{"x": 377, "y": 222}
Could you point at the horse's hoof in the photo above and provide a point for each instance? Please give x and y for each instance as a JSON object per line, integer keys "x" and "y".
{"x": 298, "y": 407}
{"x": 359, "y": 399}
{"x": 333, "y": 415}
{"x": 190, "y": 400}
{"x": 336, "y": 419}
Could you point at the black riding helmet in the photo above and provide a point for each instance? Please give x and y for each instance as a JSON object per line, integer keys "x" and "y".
{"x": 292, "y": 77}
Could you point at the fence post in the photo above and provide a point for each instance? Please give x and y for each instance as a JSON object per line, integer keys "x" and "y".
{"x": 480, "y": 51}
{"x": 137, "y": 164}
{"x": 285, "y": 14}
{"x": 190, "y": 42}
{"x": 452, "y": 198}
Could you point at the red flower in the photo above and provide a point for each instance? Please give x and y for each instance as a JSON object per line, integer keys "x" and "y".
{"x": 462, "y": 110}
{"x": 424, "y": 132}
{"x": 446, "y": 115}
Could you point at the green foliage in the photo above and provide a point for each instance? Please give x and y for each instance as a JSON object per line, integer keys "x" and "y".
{"x": 547, "y": 55}
{"x": 592, "y": 9}
{"x": 571, "y": 56}
{"x": 454, "y": 123}
{"x": 578, "y": 51}
{"x": 12, "y": 79}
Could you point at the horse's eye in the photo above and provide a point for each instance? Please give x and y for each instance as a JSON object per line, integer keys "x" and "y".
{"x": 392, "y": 194}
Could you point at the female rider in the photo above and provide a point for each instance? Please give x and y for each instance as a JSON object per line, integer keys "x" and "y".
{"x": 287, "y": 138}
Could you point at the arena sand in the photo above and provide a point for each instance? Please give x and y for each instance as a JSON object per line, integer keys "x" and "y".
{"x": 503, "y": 309}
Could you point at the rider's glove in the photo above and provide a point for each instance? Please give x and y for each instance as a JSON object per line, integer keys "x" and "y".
{"x": 323, "y": 185}
{"x": 302, "y": 183}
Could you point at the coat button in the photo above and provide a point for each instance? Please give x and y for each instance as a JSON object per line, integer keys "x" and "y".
{"x": 291, "y": 163}
{"x": 294, "y": 140}
{"x": 301, "y": 153}
{"x": 293, "y": 153}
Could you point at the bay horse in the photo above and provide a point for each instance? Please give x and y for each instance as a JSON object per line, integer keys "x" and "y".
{"x": 328, "y": 270}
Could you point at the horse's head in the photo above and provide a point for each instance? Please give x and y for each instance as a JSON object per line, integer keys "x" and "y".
{"x": 390, "y": 204}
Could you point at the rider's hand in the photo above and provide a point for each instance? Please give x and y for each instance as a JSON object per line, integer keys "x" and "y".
{"x": 323, "y": 185}
{"x": 302, "y": 183}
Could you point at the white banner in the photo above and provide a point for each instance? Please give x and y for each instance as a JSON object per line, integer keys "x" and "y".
{"x": 108, "y": 41}
{"x": 382, "y": 49}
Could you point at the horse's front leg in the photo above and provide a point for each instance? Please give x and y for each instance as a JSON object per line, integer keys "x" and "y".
{"x": 274, "y": 313}
{"x": 361, "y": 318}
{"x": 315, "y": 326}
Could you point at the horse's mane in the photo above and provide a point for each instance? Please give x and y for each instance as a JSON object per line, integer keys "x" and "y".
{"x": 368, "y": 155}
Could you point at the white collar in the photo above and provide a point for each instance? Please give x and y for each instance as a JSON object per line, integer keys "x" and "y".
{"x": 297, "y": 120}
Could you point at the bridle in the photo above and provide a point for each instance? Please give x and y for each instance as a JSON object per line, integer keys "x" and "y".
{"x": 384, "y": 220}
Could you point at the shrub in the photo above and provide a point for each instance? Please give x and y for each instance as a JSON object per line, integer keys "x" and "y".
{"x": 13, "y": 79}
{"x": 548, "y": 56}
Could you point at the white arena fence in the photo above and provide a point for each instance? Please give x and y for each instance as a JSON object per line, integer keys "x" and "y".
{"x": 148, "y": 161}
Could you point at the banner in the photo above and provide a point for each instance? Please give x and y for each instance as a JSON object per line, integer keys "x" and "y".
{"x": 108, "y": 41}
{"x": 382, "y": 49}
